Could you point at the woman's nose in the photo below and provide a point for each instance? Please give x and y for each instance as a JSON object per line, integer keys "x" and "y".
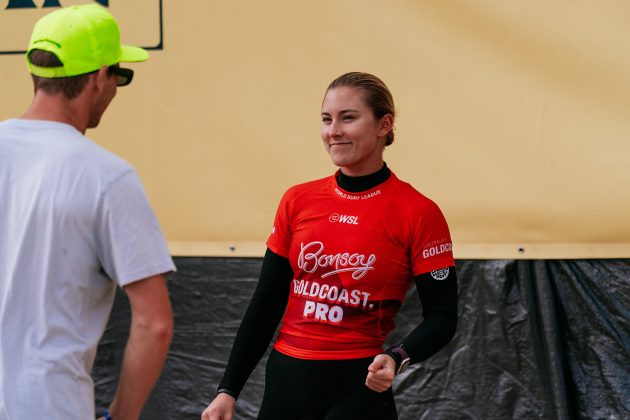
{"x": 335, "y": 129}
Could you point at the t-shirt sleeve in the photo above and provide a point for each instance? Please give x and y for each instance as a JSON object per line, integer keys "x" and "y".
{"x": 130, "y": 241}
{"x": 280, "y": 239}
{"x": 432, "y": 248}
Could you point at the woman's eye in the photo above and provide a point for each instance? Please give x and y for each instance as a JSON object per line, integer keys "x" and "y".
{"x": 348, "y": 117}
{"x": 326, "y": 120}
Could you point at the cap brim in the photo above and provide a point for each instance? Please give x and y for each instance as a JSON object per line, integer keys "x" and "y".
{"x": 129, "y": 54}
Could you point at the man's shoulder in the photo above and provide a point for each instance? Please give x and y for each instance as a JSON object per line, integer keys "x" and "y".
{"x": 77, "y": 155}
{"x": 102, "y": 157}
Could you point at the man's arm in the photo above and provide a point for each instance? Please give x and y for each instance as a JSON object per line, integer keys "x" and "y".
{"x": 147, "y": 346}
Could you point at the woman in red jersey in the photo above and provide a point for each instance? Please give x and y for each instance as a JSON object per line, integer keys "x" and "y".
{"x": 342, "y": 255}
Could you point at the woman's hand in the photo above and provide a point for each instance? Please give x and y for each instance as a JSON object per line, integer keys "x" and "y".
{"x": 222, "y": 408}
{"x": 381, "y": 373}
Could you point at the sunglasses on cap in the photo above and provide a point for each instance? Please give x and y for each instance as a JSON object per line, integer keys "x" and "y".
{"x": 123, "y": 76}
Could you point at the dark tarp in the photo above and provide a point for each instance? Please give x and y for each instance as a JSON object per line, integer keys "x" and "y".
{"x": 535, "y": 340}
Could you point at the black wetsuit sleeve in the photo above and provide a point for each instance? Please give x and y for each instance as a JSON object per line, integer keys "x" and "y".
{"x": 259, "y": 323}
{"x": 439, "y": 310}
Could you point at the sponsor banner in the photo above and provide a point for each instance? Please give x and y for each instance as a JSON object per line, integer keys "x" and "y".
{"x": 140, "y": 21}
{"x": 522, "y": 140}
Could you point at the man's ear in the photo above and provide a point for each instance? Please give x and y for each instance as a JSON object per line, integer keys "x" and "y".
{"x": 102, "y": 78}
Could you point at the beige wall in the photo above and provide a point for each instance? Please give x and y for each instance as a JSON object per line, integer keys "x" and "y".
{"x": 513, "y": 116}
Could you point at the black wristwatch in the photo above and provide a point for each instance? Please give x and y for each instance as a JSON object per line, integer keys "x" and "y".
{"x": 227, "y": 391}
{"x": 400, "y": 356}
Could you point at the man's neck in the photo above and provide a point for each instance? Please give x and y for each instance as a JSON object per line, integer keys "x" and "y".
{"x": 59, "y": 109}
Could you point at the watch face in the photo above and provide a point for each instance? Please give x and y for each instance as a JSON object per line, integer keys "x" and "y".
{"x": 403, "y": 365}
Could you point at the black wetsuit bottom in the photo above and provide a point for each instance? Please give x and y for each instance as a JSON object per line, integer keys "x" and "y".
{"x": 297, "y": 389}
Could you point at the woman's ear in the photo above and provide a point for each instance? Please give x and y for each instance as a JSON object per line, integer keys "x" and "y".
{"x": 386, "y": 125}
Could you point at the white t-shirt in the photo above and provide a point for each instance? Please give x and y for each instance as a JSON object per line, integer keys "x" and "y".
{"x": 73, "y": 216}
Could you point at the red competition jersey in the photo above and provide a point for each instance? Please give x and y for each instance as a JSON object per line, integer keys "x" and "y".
{"x": 354, "y": 257}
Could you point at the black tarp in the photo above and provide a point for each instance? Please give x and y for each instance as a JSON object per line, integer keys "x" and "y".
{"x": 535, "y": 340}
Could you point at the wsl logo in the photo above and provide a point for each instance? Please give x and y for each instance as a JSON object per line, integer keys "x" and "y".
{"x": 30, "y": 4}
{"x": 140, "y": 20}
{"x": 343, "y": 218}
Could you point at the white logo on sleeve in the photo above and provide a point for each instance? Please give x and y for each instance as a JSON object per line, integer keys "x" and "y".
{"x": 440, "y": 274}
{"x": 437, "y": 250}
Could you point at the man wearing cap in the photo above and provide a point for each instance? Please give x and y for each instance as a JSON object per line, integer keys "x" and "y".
{"x": 74, "y": 224}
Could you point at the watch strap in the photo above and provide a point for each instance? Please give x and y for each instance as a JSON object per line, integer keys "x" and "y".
{"x": 227, "y": 391}
{"x": 400, "y": 356}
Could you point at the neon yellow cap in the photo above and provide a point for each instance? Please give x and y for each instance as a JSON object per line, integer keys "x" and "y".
{"x": 84, "y": 38}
